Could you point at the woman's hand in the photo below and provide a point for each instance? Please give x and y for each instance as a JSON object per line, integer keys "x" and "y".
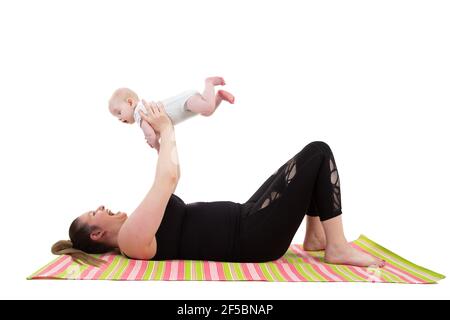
{"x": 157, "y": 116}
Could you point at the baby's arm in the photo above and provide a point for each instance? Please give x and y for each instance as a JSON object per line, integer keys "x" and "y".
{"x": 150, "y": 135}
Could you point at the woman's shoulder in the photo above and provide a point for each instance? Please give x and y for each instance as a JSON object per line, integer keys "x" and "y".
{"x": 139, "y": 253}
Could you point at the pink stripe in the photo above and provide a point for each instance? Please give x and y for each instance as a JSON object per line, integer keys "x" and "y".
{"x": 207, "y": 271}
{"x": 259, "y": 271}
{"x": 287, "y": 275}
{"x": 134, "y": 272}
{"x": 296, "y": 273}
{"x": 248, "y": 275}
{"x": 128, "y": 270}
{"x": 53, "y": 265}
{"x": 167, "y": 270}
{"x": 402, "y": 274}
{"x": 395, "y": 269}
{"x": 96, "y": 272}
{"x": 174, "y": 270}
{"x": 323, "y": 272}
{"x": 58, "y": 268}
{"x": 320, "y": 267}
{"x": 90, "y": 269}
{"x": 181, "y": 270}
{"x": 213, "y": 270}
{"x": 364, "y": 274}
{"x": 141, "y": 272}
{"x": 220, "y": 271}
{"x": 254, "y": 271}
{"x": 293, "y": 272}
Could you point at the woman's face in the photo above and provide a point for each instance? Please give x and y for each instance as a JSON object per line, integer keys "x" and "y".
{"x": 104, "y": 219}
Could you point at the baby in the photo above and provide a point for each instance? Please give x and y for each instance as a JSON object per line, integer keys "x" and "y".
{"x": 125, "y": 105}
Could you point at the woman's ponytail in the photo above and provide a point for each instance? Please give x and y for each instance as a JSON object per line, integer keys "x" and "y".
{"x": 66, "y": 247}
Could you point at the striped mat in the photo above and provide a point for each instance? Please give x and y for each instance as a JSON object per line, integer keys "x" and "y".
{"x": 295, "y": 266}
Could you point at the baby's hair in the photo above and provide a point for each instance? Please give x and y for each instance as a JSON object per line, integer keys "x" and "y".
{"x": 121, "y": 95}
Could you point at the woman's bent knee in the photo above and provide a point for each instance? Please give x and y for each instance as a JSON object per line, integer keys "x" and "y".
{"x": 322, "y": 146}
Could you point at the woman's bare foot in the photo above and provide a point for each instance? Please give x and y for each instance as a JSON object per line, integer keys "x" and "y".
{"x": 346, "y": 254}
{"x": 314, "y": 242}
{"x": 225, "y": 95}
{"x": 217, "y": 81}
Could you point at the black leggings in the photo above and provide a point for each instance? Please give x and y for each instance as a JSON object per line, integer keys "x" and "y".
{"x": 306, "y": 184}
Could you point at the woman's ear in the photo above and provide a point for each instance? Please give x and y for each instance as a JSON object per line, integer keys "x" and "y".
{"x": 97, "y": 234}
{"x": 130, "y": 102}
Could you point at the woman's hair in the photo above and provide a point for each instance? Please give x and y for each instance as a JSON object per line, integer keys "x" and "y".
{"x": 80, "y": 244}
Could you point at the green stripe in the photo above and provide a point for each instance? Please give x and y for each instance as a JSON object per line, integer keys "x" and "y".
{"x": 291, "y": 258}
{"x": 119, "y": 272}
{"x": 347, "y": 270}
{"x": 338, "y": 271}
{"x": 276, "y": 272}
{"x": 299, "y": 268}
{"x": 238, "y": 270}
{"x": 148, "y": 270}
{"x": 370, "y": 250}
{"x": 315, "y": 273}
{"x": 110, "y": 268}
{"x": 187, "y": 270}
{"x": 388, "y": 276}
{"x": 199, "y": 274}
{"x": 393, "y": 276}
{"x": 407, "y": 262}
{"x": 266, "y": 273}
{"x": 151, "y": 271}
{"x": 159, "y": 270}
{"x": 227, "y": 271}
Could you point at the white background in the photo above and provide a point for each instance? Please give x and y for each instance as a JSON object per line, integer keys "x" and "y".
{"x": 370, "y": 78}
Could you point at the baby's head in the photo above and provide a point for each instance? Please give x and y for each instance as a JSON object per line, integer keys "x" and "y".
{"x": 122, "y": 104}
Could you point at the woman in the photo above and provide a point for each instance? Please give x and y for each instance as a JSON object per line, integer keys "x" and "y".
{"x": 163, "y": 227}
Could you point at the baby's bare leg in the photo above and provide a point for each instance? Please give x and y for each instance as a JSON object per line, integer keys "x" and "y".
{"x": 207, "y": 103}
{"x": 209, "y": 93}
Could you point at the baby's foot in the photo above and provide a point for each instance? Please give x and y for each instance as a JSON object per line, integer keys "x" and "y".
{"x": 346, "y": 254}
{"x": 217, "y": 81}
{"x": 225, "y": 95}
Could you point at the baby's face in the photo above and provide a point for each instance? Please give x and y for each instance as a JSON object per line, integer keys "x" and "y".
{"x": 123, "y": 111}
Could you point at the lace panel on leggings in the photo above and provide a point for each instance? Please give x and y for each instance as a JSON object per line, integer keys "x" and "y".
{"x": 334, "y": 177}
{"x": 289, "y": 174}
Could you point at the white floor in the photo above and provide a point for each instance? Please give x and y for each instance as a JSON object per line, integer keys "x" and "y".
{"x": 45, "y": 289}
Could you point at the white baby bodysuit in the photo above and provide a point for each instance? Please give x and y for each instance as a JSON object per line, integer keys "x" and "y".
{"x": 175, "y": 108}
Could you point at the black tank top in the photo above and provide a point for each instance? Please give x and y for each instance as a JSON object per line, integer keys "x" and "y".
{"x": 198, "y": 231}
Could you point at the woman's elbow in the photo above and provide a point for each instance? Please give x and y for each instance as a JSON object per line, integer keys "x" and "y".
{"x": 173, "y": 179}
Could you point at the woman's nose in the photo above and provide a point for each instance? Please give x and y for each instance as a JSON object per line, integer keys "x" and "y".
{"x": 101, "y": 208}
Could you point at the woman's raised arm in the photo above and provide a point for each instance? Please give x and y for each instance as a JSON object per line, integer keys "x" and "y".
{"x": 137, "y": 235}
